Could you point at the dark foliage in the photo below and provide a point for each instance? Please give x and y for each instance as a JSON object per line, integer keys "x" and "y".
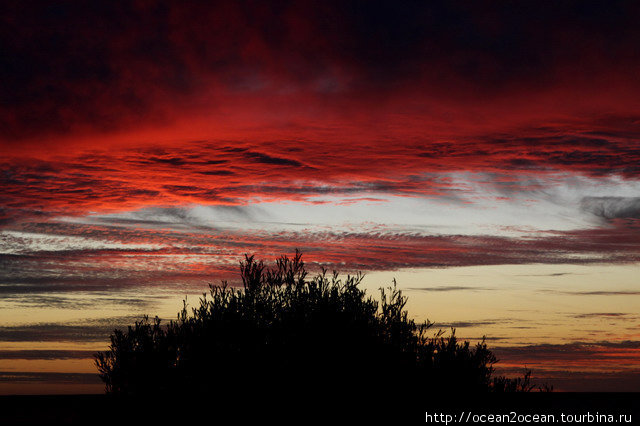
{"x": 285, "y": 333}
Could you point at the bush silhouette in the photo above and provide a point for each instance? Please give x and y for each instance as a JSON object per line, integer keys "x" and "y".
{"x": 285, "y": 334}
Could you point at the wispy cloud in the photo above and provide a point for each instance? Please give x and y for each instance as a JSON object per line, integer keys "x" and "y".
{"x": 49, "y": 377}
{"x": 554, "y": 274}
{"x": 89, "y": 330}
{"x": 465, "y": 324}
{"x": 595, "y": 292}
{"x": 621, "y": 354}
{"x": 47, "y": 354}
{"x": 617, "y": 315}
{"x": 44, "y": 256}
{"x": 449, "y": 288}
{"x": 22, "y": 297}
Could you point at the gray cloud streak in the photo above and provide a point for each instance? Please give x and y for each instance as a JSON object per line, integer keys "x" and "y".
{"x": 449, "y": 288}
{"x": 612, "y": 207}
{"x": 32, "y": 354}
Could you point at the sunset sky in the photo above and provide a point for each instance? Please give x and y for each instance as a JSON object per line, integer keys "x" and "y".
{"x": 484, "y": 154}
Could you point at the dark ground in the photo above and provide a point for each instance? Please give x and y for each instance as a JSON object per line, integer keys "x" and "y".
{"x": 334, "y": 408}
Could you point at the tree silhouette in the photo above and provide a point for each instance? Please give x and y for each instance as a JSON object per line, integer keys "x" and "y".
{"x": 283, "y": 333}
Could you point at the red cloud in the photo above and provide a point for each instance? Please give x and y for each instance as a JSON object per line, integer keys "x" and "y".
{"x": 76, "y": 180}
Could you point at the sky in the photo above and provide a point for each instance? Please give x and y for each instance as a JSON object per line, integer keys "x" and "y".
{"x": 486, "y": 155}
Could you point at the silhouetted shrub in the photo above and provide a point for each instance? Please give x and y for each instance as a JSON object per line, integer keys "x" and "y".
{"x": 284, "y": 333}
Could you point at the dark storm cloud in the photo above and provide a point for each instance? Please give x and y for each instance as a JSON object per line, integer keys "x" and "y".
{"x": 491, "y": 44}
{"x": 62, "y": 61}
{"x": 108, "y": 64}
